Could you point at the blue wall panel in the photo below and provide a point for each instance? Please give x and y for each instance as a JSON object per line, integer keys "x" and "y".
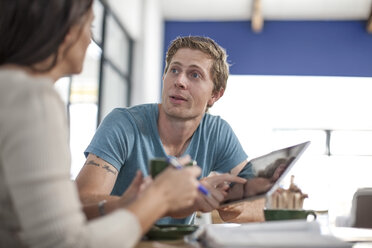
{"x": 325, "y": 48}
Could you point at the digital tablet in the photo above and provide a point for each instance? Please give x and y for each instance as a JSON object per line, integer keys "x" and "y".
{"x": 264, "y": 174}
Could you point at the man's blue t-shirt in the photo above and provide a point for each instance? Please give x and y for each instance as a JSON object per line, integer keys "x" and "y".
{"x": 128, "y": 138}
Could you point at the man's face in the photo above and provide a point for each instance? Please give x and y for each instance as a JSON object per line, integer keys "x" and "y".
{"x": 188, "y": 85}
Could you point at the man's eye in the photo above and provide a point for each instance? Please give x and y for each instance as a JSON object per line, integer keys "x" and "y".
{"x": 195, "y": 75}
{"x": 174, "y": 70}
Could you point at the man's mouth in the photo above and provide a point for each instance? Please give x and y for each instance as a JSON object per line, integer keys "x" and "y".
{"x": 178, "y": 98}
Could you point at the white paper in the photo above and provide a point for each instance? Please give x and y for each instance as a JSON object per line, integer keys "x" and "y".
{"x": 268, "y": 234}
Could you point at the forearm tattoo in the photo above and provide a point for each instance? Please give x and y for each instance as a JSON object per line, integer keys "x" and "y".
{"x": 104, "y": 166}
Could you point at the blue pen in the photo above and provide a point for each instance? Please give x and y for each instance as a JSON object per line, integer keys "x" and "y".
{"x": 174, "y": 162}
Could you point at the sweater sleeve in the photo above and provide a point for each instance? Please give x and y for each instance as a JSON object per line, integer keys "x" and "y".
{"x": 36, "y": 164}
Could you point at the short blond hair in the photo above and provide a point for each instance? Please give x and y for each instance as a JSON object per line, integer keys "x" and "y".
{"x": 220, "y": 67}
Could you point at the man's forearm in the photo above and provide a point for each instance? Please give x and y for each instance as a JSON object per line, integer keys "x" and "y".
{"x": 243, "y": 212}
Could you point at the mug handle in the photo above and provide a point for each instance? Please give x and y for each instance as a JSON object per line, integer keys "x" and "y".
{"x": 311, "y": 213}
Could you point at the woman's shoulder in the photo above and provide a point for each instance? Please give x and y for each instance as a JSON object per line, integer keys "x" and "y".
{"x": 19, "y": 82}
{"x": 17, "y": 86}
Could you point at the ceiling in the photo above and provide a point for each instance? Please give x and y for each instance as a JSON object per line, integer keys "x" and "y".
{"x": 225, "y": 10}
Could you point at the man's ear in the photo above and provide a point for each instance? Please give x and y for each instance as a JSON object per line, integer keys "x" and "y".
{"x": 215, "y": 96}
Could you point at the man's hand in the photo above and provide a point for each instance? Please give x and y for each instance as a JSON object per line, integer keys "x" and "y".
{"x": 242, "y": 212}
{"x": 217, "y": 185}
{"x": 256, "y": 186}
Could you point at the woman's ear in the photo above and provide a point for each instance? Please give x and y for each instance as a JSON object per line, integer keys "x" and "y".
{"x": 66, "y": 43}
{"x": 72, "y": 35}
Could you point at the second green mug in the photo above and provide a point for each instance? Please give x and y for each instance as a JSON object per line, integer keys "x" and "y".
{"x": 287, "y": 214}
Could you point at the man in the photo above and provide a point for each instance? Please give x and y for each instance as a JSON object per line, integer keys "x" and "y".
{"x": 194, "y": 79}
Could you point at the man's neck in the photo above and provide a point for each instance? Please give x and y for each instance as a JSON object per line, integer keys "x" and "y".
{"x": 175, "y": 133}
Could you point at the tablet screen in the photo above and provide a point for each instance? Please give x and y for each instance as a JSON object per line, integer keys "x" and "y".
{"x": 264, "y": 174}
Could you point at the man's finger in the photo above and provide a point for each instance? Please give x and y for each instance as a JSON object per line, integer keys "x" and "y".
{"x": 222, "y": 178}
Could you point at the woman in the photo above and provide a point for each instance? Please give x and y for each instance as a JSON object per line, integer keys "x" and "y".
{"x": 41, "y": 41}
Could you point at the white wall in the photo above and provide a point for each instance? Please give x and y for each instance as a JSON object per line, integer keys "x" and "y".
{"x": 129, "y": 13}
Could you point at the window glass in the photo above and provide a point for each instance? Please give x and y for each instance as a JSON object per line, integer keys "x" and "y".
{"x": 97, "y": 22}
{"x": 84, "y": 87}
{"x": 114, "y": 91}
{"x": 268, "y": 112}
{"x": 282, "y": 137}
{"x": 351, "y": 143}
{"x": 83, "y": 122}
{"x": 83, "y": 107}
{"x": 116, "y": 45}
{"x": 62, "y": 87}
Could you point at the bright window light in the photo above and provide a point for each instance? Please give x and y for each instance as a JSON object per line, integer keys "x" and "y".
{"x": 269, "y": 112}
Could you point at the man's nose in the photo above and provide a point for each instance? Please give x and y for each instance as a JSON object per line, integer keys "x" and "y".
{"x": 181, "y": 81}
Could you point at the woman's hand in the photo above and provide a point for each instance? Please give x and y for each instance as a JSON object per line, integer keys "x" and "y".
{"x": 135, "y": 189}
{"x": 178, "y": 187}
{"x": 172, "y": 190}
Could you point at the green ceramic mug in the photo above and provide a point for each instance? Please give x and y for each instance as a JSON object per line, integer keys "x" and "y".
{"x": 287, "y": 214}
{"x": 157, "y": 165}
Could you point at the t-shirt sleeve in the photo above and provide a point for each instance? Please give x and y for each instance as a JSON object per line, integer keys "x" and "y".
{"x": 230, "y": 152}
{"x": 114, "y": 138}
{"x": 247, "y": 171}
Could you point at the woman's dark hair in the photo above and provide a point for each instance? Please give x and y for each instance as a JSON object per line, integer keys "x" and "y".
{"x": 32, "y": 30}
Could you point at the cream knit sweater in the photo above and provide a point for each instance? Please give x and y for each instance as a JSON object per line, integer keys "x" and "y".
{"x": 39, "y": 204}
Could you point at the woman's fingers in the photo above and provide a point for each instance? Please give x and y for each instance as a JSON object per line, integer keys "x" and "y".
{"x": 184, "y": 159}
